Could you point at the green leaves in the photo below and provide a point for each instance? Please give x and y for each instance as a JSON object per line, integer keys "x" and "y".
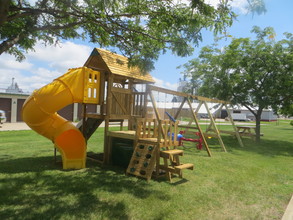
{"x": 140, "y": 29}
{"x": 249, "y": 72}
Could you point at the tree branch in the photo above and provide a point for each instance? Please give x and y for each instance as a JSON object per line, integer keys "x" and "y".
{"x": 6, "y": 45}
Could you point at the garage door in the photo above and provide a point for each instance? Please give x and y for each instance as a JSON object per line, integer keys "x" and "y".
{"x": 19, "y": 107}
{"x": 67, "y": 112}
{"x": 5, "y": 105}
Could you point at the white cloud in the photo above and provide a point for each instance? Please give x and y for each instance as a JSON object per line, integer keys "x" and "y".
{"x": 7, "y": 61}
{"x": 62, "y": 56}
{"x": 240, "y": 5}
{"x": 164, "y": 84}
{"x": 42, "y": 66}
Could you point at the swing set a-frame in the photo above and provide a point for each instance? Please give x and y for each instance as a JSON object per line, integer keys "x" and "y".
{"x": 211, "y": 130}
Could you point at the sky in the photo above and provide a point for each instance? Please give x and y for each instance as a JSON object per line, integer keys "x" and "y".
{"x": 44, "y": 64}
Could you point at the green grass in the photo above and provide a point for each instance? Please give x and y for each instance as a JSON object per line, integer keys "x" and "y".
{"x": 254, "y": 182}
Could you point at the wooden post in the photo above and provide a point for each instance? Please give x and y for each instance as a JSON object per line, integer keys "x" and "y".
{"x": 156, "y": 110}
{"x": 145, "y": 105}
{"x": 102, "y": 93}
{"x": 180, "y": 108}
{"x": 107, "y": 118}
{"x": 215, "y": 127}
{"x": 196, "y": 111}
{"x": 234, "y": 127}
{"x": 199, "y": 128}
{"x": 210, "y": 125}
{"x": 154, "y": 104}
{"x": 158, "y": 157}
{"x": 131, "y": 104}
{"x": 83, "y": 113}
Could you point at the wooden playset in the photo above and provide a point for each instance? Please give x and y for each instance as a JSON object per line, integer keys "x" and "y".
{"x": 111, "y": 86}
{"x": 154, "y": 139}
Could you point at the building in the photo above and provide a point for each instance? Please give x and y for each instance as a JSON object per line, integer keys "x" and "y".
{"x": 12, "y": 99}
{"x": 267, "y": 114}
{"x": 11, "y": 102}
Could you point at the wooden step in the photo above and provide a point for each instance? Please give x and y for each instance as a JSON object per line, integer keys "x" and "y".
{"x": 184, "y": 166}
{"x": 170, "y": 153}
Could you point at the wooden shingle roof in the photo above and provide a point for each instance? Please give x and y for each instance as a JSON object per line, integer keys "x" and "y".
{"x": 101, "y": 59}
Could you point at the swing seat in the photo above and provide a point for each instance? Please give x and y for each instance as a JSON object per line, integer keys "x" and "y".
{"x": 198, "y": 141}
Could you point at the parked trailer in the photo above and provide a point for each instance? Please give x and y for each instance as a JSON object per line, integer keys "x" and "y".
{"x": 239, "y": 117}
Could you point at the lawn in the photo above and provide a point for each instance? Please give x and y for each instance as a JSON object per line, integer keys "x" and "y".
{"x": 254, "y": 182}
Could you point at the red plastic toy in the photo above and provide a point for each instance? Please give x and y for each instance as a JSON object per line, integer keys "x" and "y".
{"x": 198, "y": 141}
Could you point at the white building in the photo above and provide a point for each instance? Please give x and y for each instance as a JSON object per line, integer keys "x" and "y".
{"x": 267, "y": 114}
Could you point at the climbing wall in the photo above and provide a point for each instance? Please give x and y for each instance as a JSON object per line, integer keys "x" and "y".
{"x": 143, "y": 160}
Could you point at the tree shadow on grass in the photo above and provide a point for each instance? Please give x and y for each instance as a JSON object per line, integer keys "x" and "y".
{"x": 270, "y": 148}
{"x": 33, "y": 188}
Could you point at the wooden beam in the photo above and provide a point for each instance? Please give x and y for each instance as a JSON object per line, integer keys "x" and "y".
{"x": 145, "y": 105}
{"x": 168, "y": 91}
{"x": 234, "y": 127}
{"x": 102, "y": 92}
{"x": 83, "y": 113}
{"x": 180, "y": 108}
{"x": 195, "y": 112}
{"x": 107, "y": 146}
{"x": 156, "y": 111}
{"x": 215, "y": 126}
{"x": 113, "y": 116}
{"x": 154, "y": 105}
{"x": 130, "y": 105}
{"x": 210, "y": 125}
{"x": 201, "y": 98}
{"x": 186, "y": 126}
{"x": 172, "y": 92}
{"x": 121, "y": 90}
{"x": 199, "y": 129}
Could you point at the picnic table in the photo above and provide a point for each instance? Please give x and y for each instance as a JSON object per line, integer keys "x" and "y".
{"x": 247, "y": 131}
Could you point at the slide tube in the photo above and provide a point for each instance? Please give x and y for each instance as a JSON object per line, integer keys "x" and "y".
{"x": 40, "y": 114}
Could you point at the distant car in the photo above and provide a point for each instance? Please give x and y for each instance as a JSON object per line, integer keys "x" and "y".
{"x": 2, "y": 116}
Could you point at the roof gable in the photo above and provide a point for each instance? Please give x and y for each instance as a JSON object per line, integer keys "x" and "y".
{"x": 116, "y": 64}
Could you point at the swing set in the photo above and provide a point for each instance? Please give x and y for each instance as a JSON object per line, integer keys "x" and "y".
{"x": 211, "y": 131}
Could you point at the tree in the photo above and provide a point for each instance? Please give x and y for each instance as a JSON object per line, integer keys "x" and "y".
{"x": 140, "y": 29}
{"x": 257, "y": 74}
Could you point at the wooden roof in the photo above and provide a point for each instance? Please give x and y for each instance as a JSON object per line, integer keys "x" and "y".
{"x": 101, "y": 59}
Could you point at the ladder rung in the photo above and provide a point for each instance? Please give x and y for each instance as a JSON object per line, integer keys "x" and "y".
{"x": 168, "y": 153}
{"x": 185, "y": 166}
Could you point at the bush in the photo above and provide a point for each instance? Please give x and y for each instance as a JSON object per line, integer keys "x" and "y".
{"x": 291, "y": 122}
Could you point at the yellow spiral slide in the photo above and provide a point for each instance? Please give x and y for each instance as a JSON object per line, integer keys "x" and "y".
{"x": 80, "y": 85}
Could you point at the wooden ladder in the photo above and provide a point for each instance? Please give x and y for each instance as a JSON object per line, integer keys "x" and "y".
{"x": 172, "y": 163}
{"x": 143, "y": 160}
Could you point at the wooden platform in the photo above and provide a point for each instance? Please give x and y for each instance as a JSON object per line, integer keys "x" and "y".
{"x": 122, "y": 134}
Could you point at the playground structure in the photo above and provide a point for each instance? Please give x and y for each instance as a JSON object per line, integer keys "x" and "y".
{"x": 108, "y": 82}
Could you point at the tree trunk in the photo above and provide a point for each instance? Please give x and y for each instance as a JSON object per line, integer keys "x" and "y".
{"x": 257, "y": 126}
{"x": 4, "y": 9}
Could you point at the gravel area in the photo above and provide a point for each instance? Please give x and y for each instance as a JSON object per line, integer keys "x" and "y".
{"x": 14, "y": 126}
